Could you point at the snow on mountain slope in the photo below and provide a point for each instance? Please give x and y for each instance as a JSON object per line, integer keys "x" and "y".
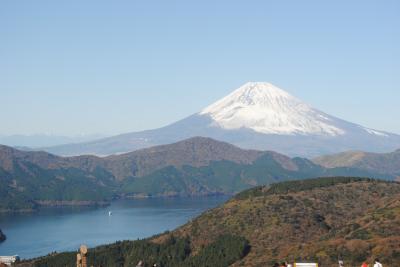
{"x": 268, "y": 109}
{"x": 375, "y": 132}
{"x": 256, "y": 116}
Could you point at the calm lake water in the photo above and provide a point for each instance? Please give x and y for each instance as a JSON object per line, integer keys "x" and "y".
{"x": 63, "y": 229}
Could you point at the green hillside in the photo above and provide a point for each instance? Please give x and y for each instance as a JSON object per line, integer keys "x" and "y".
{"x": 225, "y": 177}
{"x": 28, "y": 186}
{"x": 198, "y": 166}
{"x": 176, "y": 252}
{"x": 376, "y": 162}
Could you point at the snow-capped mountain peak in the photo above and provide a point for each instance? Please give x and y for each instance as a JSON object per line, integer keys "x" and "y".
{"x": 267, "y": 109}
{"x": 255, "y": 116}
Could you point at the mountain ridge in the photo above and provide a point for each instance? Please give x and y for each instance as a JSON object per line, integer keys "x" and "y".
{"x": 193, "y": 167}
{"x": 45, "y": 140}
{"x": 252, "y": 117}
{"x": 380, "y": 162}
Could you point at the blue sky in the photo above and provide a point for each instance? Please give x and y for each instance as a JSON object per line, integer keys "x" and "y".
{"x": 73, "y": 67}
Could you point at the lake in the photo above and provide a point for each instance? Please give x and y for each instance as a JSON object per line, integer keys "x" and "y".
{"x": 64, "y": 229}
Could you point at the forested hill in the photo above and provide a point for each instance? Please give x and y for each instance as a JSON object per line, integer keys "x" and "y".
{"x": 197, "y": 166}
{"x": 377, "y": 162}
{"x": 317, "y": 220}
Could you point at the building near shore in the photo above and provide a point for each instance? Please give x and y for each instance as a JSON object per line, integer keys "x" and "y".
{"x": 9, "y": 260}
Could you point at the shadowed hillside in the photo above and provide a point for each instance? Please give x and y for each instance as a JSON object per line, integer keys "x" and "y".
{"x": 194, "y": 167}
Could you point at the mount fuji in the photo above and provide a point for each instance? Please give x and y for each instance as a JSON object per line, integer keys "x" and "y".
{"x": 255, "y": 116}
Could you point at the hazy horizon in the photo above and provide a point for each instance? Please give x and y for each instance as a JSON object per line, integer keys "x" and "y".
{"x": 95, "y": 67}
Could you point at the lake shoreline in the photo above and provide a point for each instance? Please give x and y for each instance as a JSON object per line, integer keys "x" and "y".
{"x": 45, "y": 204}
{"x": 50, "y": 229}
{"x": 89, "y": 203}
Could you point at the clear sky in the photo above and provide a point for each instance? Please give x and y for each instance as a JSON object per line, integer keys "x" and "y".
{"x": 73, "y": 67}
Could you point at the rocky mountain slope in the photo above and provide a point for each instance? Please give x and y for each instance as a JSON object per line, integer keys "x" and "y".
{"x": 377, "y": 162}
{"x": 197, "y": 166}
{"x": 255, "y": 116}
{"x": 320, "y": 220}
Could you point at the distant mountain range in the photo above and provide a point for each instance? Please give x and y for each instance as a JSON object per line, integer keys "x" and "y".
{"x": 197, "y": 166}
{"x": 256, "y": 116}
{"x": 28, "y": 142}
{"x": 378, "y": 162}
{"x": 316, "y": 220}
